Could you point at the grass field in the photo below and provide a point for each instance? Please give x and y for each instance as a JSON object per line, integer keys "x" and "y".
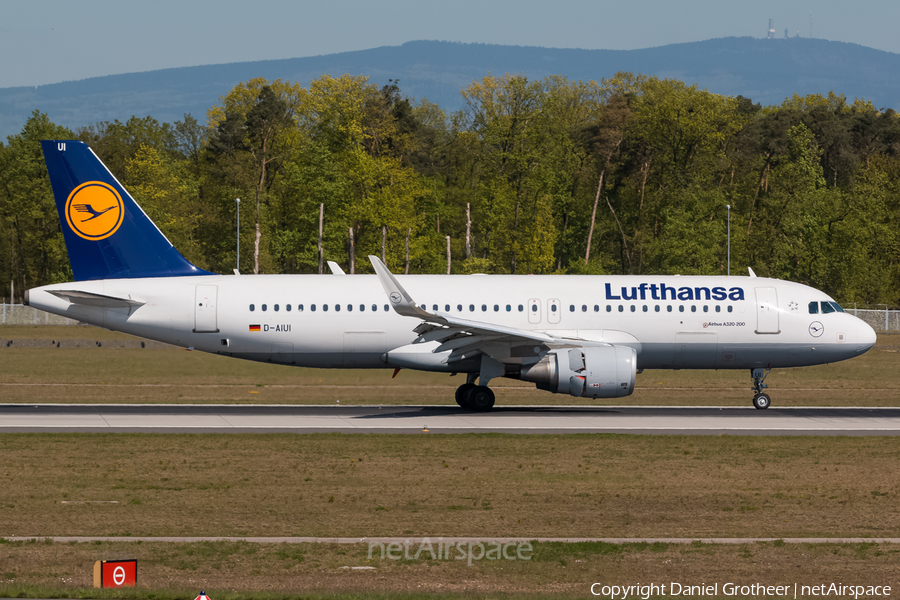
{"x": 169, "y": 375}
{"x": 341, "y": 485}
{"x": 446, "y": 485}
{"x": 357, "y": 485}
{"x": 244, "y": 570}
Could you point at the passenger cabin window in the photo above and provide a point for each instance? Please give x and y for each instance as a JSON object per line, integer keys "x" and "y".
{"x": 252, "y": 307}
{"x": 386, "y": 308}
{"x": 608, "y": 308}
{"x": 471, "y": 308}
{"x": 621, "y": 308}
{"x": 300, "y": 307}
{"x": 521, "y": 308}
{"x": 496, "y": 308}
{"x": 264, "y": 307}
{"x": 312, "y": 307}
{"x": 276, "y": 308}
{"x": 596, "y": 308}
{"x": 571, "y": 308}
{"x": 645, "y": 308}
{"x": 459, "y": 307}
{"x": 484, "y": 308}
{"x": 287, "y": 307}
{"x": 325, "y": 307}
{"x": 446, "y": 308}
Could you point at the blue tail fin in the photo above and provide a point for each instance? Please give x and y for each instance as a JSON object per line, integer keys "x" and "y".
{"x": 107, "y": 234}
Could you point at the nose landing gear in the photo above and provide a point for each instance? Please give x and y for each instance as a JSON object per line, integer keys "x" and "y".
{"x": 761, "y": 400}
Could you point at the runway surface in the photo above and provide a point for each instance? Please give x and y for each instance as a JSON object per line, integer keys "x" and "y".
{"x": 446, "y": 419}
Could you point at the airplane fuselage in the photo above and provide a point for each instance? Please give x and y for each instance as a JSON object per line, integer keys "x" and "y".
{"x": 335, "y": 321}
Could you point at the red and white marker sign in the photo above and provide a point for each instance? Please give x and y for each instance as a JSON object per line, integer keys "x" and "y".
{"x": 202, "y": 596}
{"x": 115, "y": 573}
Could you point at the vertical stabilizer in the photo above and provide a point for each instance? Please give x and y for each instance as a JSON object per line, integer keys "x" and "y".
{"x": 107, "y": 234}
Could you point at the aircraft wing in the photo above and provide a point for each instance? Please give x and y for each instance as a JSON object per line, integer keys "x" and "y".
{"x": 461, "y": 336}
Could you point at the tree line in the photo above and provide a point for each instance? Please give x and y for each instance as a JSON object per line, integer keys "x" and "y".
{"x": 631, "y": 175}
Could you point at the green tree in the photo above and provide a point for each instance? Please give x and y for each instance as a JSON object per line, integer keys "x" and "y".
{"x": 31, "y": 243}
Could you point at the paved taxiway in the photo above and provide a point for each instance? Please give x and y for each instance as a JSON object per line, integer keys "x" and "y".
{"x": 447, "y": 419}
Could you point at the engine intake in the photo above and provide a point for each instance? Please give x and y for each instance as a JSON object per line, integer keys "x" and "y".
{"x": 590, "y": 372}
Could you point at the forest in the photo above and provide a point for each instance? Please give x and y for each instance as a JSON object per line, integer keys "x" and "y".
{"x": 629, "y": 175}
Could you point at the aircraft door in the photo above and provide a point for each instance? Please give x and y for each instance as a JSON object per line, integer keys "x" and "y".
{"x": 534, "y": 310}
{"x": 283, "y": 353}
{"x": 554, "y": 310}
{"x": 205, "y": 309}
{"x": 767, "y": 310}
{"x": 363, "y": 348}
{"x": 695, "y": 350}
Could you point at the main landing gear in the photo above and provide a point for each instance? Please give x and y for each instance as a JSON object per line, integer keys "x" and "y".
{"x": 761, "y": 400}
{"x": 475, "y": 397}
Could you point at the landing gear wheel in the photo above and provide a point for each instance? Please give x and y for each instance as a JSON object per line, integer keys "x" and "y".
{"x": 462, "y": 392}
{"x": 761, "y": 401}
{"x": 480, "y": 398}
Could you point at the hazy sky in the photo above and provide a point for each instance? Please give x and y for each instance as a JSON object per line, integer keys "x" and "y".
{"x": 47, "y": 41}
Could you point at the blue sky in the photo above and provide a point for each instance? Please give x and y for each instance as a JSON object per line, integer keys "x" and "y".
{"x": 47, "y": 41}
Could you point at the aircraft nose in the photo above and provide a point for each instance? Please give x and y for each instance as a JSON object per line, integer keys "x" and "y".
{"x": 865, "y": 337}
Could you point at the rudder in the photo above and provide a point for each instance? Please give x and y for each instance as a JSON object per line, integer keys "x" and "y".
{"x": 107, "y": 234}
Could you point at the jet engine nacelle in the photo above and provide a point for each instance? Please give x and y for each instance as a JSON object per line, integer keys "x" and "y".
{"x": 591, "y": 372}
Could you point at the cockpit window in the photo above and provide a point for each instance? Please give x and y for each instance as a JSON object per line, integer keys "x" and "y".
{"x": 837, "y": 307}
{"x": 813, "y": 308}
{"x": 827, "y": 308}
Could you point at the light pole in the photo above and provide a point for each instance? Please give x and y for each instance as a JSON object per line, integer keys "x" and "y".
{"x": 238, "y": 201}
{"x": 728, "y": 272}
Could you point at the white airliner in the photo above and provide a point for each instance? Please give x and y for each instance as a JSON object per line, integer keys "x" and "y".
{"x": 587, "y": 336}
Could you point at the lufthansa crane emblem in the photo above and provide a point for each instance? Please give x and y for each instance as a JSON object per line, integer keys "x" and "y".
{"x": 816, "y": 329}
{"x": 94, "y": 210}
{"x": 396, "y": 297}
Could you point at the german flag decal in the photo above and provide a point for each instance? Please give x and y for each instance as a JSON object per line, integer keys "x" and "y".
{"x": 254, "y": 328}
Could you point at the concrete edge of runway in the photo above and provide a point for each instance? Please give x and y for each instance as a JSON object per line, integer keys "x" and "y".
{"x": 447, "y": 539}
{"x": 439, "y": 431}
{"x": 748, "y": 407}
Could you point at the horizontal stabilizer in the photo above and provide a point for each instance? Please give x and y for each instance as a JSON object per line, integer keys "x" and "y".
{"x": 91, "y": 299}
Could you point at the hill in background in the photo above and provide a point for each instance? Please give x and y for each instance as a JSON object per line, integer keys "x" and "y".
{"x": 766, "y": 71}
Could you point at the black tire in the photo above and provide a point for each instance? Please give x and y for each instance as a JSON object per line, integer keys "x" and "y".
{"x": 480, "y": 398}
{"x": 761, "y": 401}
{"x": 462, "y": 392}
